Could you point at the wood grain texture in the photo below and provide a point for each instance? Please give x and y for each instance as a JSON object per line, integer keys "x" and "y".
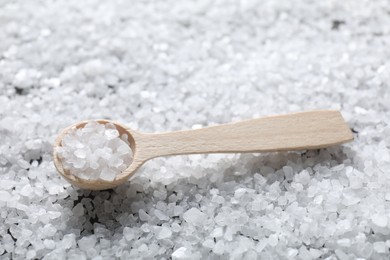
{"x": 297, "y": 131}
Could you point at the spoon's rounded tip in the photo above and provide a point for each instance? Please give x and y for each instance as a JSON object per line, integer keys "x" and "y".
{"x": 96, "y": 184}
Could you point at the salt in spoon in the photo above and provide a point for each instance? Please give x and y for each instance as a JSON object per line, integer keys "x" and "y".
{"x": 296, "y": 131}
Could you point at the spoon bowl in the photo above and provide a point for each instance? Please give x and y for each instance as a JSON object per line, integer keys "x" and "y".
{"x": 296, "y": 131}
{"x": 98, "y": 184}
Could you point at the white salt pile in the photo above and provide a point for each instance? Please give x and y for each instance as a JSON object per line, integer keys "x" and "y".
{"x": 95, "y": 151}
{"x": 170, "y": 65}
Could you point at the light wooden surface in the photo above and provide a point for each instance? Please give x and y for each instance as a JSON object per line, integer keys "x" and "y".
{"x": 297, "y": 131}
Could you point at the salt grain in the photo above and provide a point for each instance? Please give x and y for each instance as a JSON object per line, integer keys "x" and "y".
{"x": 143, "y": 215}
{"x": 315, "y": 253}
{"x": 24, "y": 164}
{"x": 341, "y": 255}
{"x": 208, "y": 243}
{"x": 292, "y": 252}
{"x": 177, "y": 210}
{"x": 87, "y": 242}
{"x": 273, "y": 240}
{"x": 160, "y": 215}
{"x": 344, "y": 242}
{"x": 380, "y": 247}
{"x": 219, "y": 247}
{"x": 68, "y": 241}
{"x": 128, "y": 233}
{"x": 195, "y": 217}
{"x": 4, "y": 196}
{"x": 218, "y": 232}
{"x": 164, "y": 233}
{"x": 108, "y": 174}
{"x": 78, "y": 210}
{"x": 379, "y": 220}
{"x": 181, "y": 254}
{"x": 30, "y": 254}
{"x": 49, "y": 244}
{"x": 27, "y": 190}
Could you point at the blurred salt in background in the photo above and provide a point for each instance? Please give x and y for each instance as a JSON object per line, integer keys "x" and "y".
{"x": 168, "y": 65}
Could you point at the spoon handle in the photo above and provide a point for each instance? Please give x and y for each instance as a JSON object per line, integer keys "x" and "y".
{"x": 297, "y": 131}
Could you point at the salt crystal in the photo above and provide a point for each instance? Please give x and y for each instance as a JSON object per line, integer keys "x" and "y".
{"x": 315, "y": 253}
{"x": 288, "y": 172}
{"x": 108, "y": 174}
{"x": 261, "y": 245}
{"x": 379, "y": 220}
{"x": 111, "y": 133}
{"x": 318, "y": 199}
{"x": 164, "y": 233}
{"x": 181, "y": 253}
{"x": 273, "y": 240}
{"x": 303, "y": 177}
{"x": 366, "y": 250}
{"x": 338, "y": 167}
{"x": 259, "y": 179}
{"x": 143, "y": 248}
{"x": 304, "y": 254}
{"x": 115, "y": 162}
{"x": 123, "y": 150}
{"x": 219, "y": 247}
{"x": 145, "y": 228}
{"x": 80, "y": 153}
{"x": 380, "y": 247}
{"x": 87, "y": 242}
{"x": 239, "y": 193}
{"x": 78, "y": 164}
{"x": 160, "y": 215}
{"x": 49, "y": 230}
{"x": 49, "y": 244}
{"x": 177, "y": 210}
{"x": 125, "y": 138}
{"x": 143, "y": 215}
{"x": 355, "y": 183}
{"x": 4, "y": 196}
{"x": 195, "y": 217}
{"x": 26, "y": 233}
{"x": 344, "y": 242}
{"x": 7, "y": 184}
{"x": 105, "y": 243}
{"x": 106, "y": 153}
{"x": 128, "y": 233}
{"x": 209, "y": 243}
{"x": 282, "y": 201}
{"x": 78, "y": 210}
{"x": 68, "y": 241}
{"x": 55, "y": 189}
{"x": 31, "y": 254}
{"x": 292, "y": 252}
{"x": 24, "y": 164}
{"x": 175, "y": 227}
{"x": 27, "y": 190}
{"x": 341, "y": 255}
{"x": 218, "y": 232}
{"x": 94, "y": 165}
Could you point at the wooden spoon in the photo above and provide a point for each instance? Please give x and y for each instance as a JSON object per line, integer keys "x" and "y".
{"x": 297, "y": 131}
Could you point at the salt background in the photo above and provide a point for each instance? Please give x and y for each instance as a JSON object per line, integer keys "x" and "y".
{"x": 170, "y": 65}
